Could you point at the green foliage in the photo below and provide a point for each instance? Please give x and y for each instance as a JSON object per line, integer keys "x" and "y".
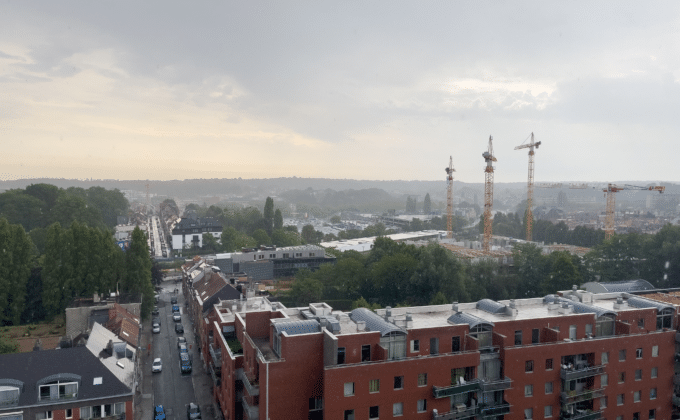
{"x": 362, "y": 303}
{"x": 278, "y": 219}
{"x": 335, "y": 219}
{"x": 268, "y": 215}
{"x": 261, "y": 237}
{"x": 7, "y": 346}
{"x": 283, "y": 238}
{"x": 439, "y": 299}
{"x": 16, "y": 259}
{"x": 137, "y": 272}
{"x": 210, "y": 243}
{"x": 310, "y": 235}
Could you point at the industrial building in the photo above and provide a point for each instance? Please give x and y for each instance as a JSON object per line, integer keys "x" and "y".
{"x": 573, "y": 355}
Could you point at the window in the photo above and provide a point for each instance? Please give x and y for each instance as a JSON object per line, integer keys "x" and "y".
{"x": 619, "y": 399}
{"x": 374, "y": 385}
{"x": 315, "y": 404}
{"x": 422, "y": 406}
{"x": 547, "y": 411}
{"x": 638, "y": 353}
{"x": 518, "y": 338}
{"x": 622, "y": 355}
{"x": 85, "y": 412}
{"x": 58, "y": 390}
{"x": 652, "y": 414}
{"x": 422, "y": 379}
{"x": 655, "y": 372}
{"x": 529, "y": 413}
{"x": 604, "y": 380}
{"x": 535, "y": 335}
{"x": 528, "y": 390}
{"x": 589, "y": 330}
{"x": 529, "y": 366}
{"x": 603, "y": 403}
{"x": 349, "y": 414}
{"x": 636, "y": 416}
{"x": 636, "y": 396}
{"x": 655, "y": 351}
{"x": 572, "y": 332}
{"x": 455, "y": 343}
{"x": 415, "y": 346}
{"x": 44, "y": 415}
{"x": 349, "y": 389}
{"x": 9, "y": 395}
{"x": 638, "y": 374}
{"x": 366, "y": 353}
{"x": 641, "y": 323}
{"x": 548, "y": 388}
{"x": 652, "y": 394}
{"x": 373, "y": 412}
{"x": 398, "y": 382}
{"x": 548, "y": 364}
{"x": 341, "y": 355}
{"x": 398, "y": 409}
{"x": 605, "y": 358}
{"x": 69, "y": 413}
{"x": 622, "y": 377}
{"x": 434, "y": 346}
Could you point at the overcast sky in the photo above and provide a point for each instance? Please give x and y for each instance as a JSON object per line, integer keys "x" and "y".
{"x": 364, "y": 90}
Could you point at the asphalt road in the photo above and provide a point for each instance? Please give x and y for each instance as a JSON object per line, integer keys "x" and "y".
{"x": 172, "y": 389}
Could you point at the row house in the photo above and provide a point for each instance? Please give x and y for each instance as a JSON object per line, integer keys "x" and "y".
{"x": 574, "y": 355}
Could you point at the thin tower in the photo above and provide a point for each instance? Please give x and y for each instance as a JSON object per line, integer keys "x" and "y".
{"x": 530, "y": 184}
{"x": 489, "y": 158}
{"x": 449, "y": 198}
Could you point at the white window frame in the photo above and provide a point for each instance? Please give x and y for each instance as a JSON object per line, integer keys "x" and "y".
{"x": 655, "y": 351}
{"x": 421, "y": 406}
{"x": 529, "y": 390}
{"x": 397, "y": 409}
{"x": 349, "y": 389}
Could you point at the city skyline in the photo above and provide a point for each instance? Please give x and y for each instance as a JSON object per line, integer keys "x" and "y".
{"x": 381, "y": 91}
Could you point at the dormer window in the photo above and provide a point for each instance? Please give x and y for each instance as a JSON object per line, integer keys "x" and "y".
{"x": 57, "y": 387}
{"x": 9, "y": 395}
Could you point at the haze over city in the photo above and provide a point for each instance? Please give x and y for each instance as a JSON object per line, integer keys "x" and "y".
{"x": 379, "y": 90}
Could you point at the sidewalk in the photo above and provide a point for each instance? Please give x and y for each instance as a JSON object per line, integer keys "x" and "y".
{"x": 144, "y": 392}
{"x": 203, "y": 389}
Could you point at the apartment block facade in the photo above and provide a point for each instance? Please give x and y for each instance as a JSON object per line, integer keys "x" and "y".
{"x": 575, "y": 355}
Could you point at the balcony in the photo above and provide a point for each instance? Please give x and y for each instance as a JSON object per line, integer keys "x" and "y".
{"x": 251, "y": 386}
{"x": 676, "y": 401}
{"x": 215, "y": 374}
{"x": 573, "y": 397}
{"x": 216, "y": 355}
{"x": 447, "y": 391}
{"x": 676, "y": 379}
{"x": 252, "y": 412}
{"x": 591, "y": 415}
{"x": 56, "y": 398}
{"x": 489, "y": 412}
{"x": 495, "y": 384}
{"x": 6, "y": 402}
{"x": 572, "y": 374}
{"x": 677, "y": 337}
{"x": 463, "y": 413}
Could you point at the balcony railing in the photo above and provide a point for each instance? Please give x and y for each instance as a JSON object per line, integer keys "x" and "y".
{"x": 573, "y": 374}
{"x": 466, "y": 413}
{"x": 253, "y": 412}
{"x": 677, "y": 337}
{"x": 495, "y": 385}
{"x": 251, "y": 387}
{"x": 676, "y": 401}
{"x": 9, "y": 401}
{"x": 494, "y": 410}
{"x": 216, "y": 355}
{"x": 572, "y": 397}
{"x": 215, "y": 375}
{"x": 676, "y": 379}
{"x": 447, "y": 391}
{"x": 591, "y": 415}
{"x": 60, "y": 397}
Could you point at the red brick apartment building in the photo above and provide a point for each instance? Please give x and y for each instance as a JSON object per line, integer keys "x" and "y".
{"x": 575, "y": 355}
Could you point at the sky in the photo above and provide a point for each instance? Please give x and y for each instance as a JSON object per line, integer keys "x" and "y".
{"x": 379, "y": 90}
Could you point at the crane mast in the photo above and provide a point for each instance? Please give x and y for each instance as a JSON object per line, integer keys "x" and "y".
{"x": 449, "y": 198}
{"x": 610, "y": 191}
{"x": 530, "y": 184}
{"x": 489, "y": 158}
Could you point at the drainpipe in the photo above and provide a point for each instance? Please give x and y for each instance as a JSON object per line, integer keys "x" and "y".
{"x": 267, "y": 417}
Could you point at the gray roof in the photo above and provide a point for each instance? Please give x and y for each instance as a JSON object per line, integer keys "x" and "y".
{"x": 491, "y": 306}
{"x": 618, "y": 286}
{"x": 35, "y": 366}
{"x": 641, "y": 302}
{"x": 471, "y": 320}
{"x": 297, "y": 327}
{"x": 581, "y": 308}
{"x": 374, "y": 322}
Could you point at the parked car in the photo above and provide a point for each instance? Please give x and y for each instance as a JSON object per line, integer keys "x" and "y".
{"x": 159, "y": 413}
{"x": 157, "y": 365}
{"x": 179, "y": 328}
{"x": 193, "y": 411}
{"x": 175, "y": 308}
{"x": 155, "y": 311}
{"x": 177, "y": 317}
{"x": 156, "y": 321}
{"x": 183, "y": 348}
{"x": 173, "y": 300}
{"x": 155, "y": 328}
{"x": 181, "y": 340}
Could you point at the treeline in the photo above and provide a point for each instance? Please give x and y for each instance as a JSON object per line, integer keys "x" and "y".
{"x": 77, "y": 261}
{"x": 513, "y": 225}
{"x": 397, "y": 274}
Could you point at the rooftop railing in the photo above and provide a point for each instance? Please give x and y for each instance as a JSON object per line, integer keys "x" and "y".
{"x": 572, "y": 374}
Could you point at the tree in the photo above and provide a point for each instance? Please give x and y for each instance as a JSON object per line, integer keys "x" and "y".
{"x": 308, "y": 234}
{"x": 306, "y": 289}
{"x": 56, "y": 270}
{"x": 563, "y": 273}
{"x": 137, "y": 274}
{"x": 278, "y": 219}
{"x": 261, "y": 237}
{"x": 268, "y": 215}
{"x": 156, "y": 274}
{"x": 228, "y": 239}
{"x": 427, "y": 204}
{"x": 335, "y": 219}
{"x": 439, "y": 299}
{"x": 530, "y": 266}
{"x": 7, "y": 346}
{"x": 16, "y": 259}
{"x": 283, "y": 238}
{"x": 210, "y": 243}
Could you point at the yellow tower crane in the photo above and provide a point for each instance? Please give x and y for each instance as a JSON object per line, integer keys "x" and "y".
{"x": 449, "y": 198}
{"x": 530, "y": 183}
{"x": 611, "y": 204}
{"x": 489, "y": 158}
